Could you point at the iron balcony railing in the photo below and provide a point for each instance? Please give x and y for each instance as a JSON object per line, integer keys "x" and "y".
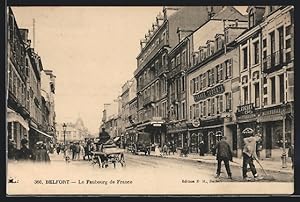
{"x": 274, "y": 61}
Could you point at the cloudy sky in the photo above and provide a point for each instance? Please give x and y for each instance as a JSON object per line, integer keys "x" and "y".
{"x": 92, "y": 51}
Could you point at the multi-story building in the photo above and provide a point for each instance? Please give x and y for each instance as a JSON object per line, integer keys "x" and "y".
{"x": 25, "y": 109}
{"x": 74, "y": 132}
{"x": 110, "y": 117}
{"x": 213, "y": 81}
{"x": 267, "y": 77}
{"x": 18, "y": 99}
{"x": 48, "y": 87}
{"x": 152, "y": 65}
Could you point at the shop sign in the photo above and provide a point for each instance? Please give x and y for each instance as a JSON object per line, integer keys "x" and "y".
{"x": 270, "y": 112}
{"x": 246, "y": 117}
{"x": 245, "y": 109}
{"x": 209, "y": 93}
{"x": 196, "y": 123}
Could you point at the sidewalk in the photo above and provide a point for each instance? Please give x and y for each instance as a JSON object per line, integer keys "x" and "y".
{"x": 268, "y": 165}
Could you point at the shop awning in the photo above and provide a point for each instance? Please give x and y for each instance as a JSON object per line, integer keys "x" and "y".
{"x": 45, "y": 134}
{"x": 13, "y": 116}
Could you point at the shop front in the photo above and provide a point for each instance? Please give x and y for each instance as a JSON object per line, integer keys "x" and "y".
{"x": 209, "y": 131}
{"x": 17, "y": 127}
{"x": 277, "y": 126}
{"x": 177, "y": 134}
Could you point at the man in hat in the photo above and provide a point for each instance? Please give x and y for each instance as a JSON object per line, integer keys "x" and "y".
{"x": 249, "y": 152}
{"x": 24, "y": 153}
{"x": 224, "y": 153}
{"x": 103, "y": 137}
{"x": 11, "y": 149}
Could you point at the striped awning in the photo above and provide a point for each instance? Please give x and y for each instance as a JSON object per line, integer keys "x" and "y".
{"x": 45, "y": 134}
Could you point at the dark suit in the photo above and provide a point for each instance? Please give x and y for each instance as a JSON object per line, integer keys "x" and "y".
{"x": 224, "y": 153}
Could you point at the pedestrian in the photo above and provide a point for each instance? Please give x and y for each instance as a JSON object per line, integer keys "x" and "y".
{"x": 77, "y": 151}
{"x": 259, "y": 145}
{"x": 73, "y": 149}
{"x": 185, "y": 150}
{"x": 201, "y": 148}
{"x": 291, "y": 154}
{"x": 81, "y": 152}
{"x": 58, "y": 149}
{"x": 249, "y": 152}
{"x": 103, "y": 136}
{"x": 24, "y": 154}
{"x": 224, "y": 154}
{"x": 41, "y": 153}
{"x": 12, "y": 150}
{"x": 165, "y": 149}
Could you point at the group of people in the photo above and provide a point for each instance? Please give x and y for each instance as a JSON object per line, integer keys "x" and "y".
{"x": 74, "y": 150}
{"x": 39, "y": 153}
{"x": 250, "y": 143}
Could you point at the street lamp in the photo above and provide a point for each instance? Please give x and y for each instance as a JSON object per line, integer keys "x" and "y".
{"x": 64, "y": 128}
{"x": 283, "y": 157}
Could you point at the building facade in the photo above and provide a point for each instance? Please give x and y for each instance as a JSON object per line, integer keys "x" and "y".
{"x": 25, "y": 110}
{"x": 152, "y": 65}
{"x": 267, "y": 77}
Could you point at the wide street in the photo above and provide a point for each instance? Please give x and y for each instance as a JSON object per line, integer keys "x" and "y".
{"x": 147, "y": 174}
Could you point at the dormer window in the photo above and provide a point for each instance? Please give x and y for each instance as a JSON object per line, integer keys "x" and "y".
{"x": 219, "y": 42}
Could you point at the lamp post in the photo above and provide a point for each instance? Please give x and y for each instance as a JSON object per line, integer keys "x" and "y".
{"x": 64, "y": 128}
{"x": 283, "y": 157}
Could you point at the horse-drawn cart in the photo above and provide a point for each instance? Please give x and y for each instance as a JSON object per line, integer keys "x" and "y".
{"x": 108, "y": 154}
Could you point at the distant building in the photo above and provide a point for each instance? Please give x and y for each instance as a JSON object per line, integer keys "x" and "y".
{"x": 75, "y": 132}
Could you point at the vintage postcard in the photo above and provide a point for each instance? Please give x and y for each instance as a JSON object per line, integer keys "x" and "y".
{"x": 166, "y": 100}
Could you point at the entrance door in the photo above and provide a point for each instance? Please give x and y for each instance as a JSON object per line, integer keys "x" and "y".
{"x": 194, "y": 143}
{"x": 234, "y": 141}
{"x": 268, "y": 141}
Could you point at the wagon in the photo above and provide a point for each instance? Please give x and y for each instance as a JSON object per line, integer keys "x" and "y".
{"x": 108, "y": 154}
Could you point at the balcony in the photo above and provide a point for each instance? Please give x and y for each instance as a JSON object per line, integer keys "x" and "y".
{"x": 274, "y": 62}
{"x": 148, "y": 101}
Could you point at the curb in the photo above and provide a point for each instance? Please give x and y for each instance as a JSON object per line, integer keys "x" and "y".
{"x": 235, "y": 165}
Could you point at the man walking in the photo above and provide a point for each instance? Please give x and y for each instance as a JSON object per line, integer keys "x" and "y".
{"x": 24, "y": 154}
{"x": 224, "y": 153}
{"x": 249, "y": 152}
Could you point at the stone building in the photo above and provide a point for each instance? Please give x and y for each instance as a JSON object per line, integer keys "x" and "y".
{"x": 267, "y": 77}
{"x": 152, "y": 65}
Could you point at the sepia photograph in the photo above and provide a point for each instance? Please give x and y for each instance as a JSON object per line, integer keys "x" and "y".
{"x": 149, "y": 100}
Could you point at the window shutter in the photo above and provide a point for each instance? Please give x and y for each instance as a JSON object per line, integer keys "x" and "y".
{"x": 290, "y": 86}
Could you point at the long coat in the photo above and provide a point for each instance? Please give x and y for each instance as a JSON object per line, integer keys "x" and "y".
{"x": 223, "y": 151}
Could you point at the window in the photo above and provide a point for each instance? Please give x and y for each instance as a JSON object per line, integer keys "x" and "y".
{"x": 204, "y": 80}
{"x": 245, "y": 58}
{"x": 256, "y": 94}
{"x": 281, "y": 41}
{"x": 183, "y": 58}
{"x": 183, "y": 110}
{"x": 208, "y": 77}
{"x": 264, "y": 43}
{"x": 213, "y": 106}
{"x": 218, "y": 104}
{"x": 228, "y": 68}
{"x": 182, "y": 83}
{"x": 288, "y": 43}
{"x": 164, "y": 60}
{"x": 201, "y": 109}
{"x": 178, "y": 60}
{"x": 245, "y": 90}
{"x": 204, "y": 108}
{"x": 173, "y": 63}
{"x": 218, "y": 74}
{"x": 273, "y": 91}
{"x": 196, "y": 84}
{"x": 228, "y": 101}
{"x": 221, "y": 103}
{"x": 191, "y": 113}
{"x": 288, "y": 30}
{"x": 212, "y": 76}
{"x": 208, "y": 107}
{"x": 196, "y": 110}
{"x": 192, "y": 86}
{"x": 256, "y": 52}
{"x": 281, "y": 88}
{"x": 201, "y": 81}
{"x": 272, "y": 39}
